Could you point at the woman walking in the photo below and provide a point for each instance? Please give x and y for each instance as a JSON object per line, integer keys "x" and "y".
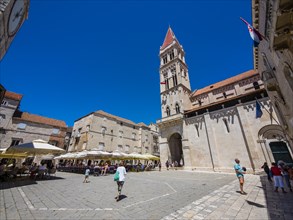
{"x": 122, "y": 172}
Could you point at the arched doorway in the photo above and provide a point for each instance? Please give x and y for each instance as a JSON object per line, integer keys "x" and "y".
{"x": 175, "y": 146}
{"x": 278, "y": 147}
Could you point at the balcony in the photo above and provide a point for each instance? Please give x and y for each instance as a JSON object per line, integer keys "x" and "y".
{"x": 173, "y": 119}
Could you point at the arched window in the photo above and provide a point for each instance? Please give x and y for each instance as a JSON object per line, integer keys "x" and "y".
{"x": 168, "y": 111}
{"x": 175, "y": 80}
{"x": 177, "y": 107}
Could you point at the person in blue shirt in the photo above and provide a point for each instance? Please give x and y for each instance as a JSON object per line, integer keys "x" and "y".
{"x": 240, "y": 174}
{"x": 86, "y": 175}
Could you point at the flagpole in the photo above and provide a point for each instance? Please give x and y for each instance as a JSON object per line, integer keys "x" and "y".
{"x": 270, "y": 113}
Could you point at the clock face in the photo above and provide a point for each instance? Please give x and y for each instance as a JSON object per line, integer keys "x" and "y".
{"x": 15, "y": 17}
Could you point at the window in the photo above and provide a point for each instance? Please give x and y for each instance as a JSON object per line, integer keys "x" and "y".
{"x": 127, "y": 148}
{"x": 4, "y": 103}
{"x": 146, "y": 149}
{"x": 55, "y": 131}
{"x": 101, "y": 146}
{"x": 177, "y": 107}
{"x": 175, "y": 80}
{"x": 165, "y": 60}
{"x": 225, "y": 95}
{"x": 103, "y": 130}
{"x": 146, "y": 138}
{"x": 199, "y": 102}
{"x": 133, "y": 136}
{"x": 84, "y": 146}
{"x": 88, "y": 128}
{"x": 168, "y": 111}
{"x": 256, "y": 85}
{"x": 15, "y": 142}
{"x": 21, "y": 126}
{"x": 120, "y": 134}
{"x": 171, "y": 54}
{"x": 120, "y": 148}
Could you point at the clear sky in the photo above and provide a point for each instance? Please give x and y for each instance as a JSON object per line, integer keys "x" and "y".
{"x": 73, "y": 57}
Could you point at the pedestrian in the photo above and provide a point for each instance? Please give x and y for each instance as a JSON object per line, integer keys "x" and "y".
{"x": 104, "y": 172}
{"x": 122, "y": 172}
{"x": 167, "y": 165}
{"x": 285, "y": 172}
{"x": 160, "y": 166}
{"x": 267, "y": 170}
{"x": 175, "y": 165}
{"x": 277, "y": 175}
{"x": 86, "y": 175}
{"x": 240, "y": 175}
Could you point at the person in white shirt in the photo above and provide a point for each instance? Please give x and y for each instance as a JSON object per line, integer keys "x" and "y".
{"x": 122, "y": 172}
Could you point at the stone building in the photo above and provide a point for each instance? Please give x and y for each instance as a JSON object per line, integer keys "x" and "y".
{"x": 106, "y": 132}
{"x": 208, "y": 128}
{"x": 18, "y": 127}
{"x": 274, "y": 60}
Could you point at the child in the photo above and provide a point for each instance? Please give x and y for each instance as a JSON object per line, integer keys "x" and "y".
{"x": 86, "y": 177}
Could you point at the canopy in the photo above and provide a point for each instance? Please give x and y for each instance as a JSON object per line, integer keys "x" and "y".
{"x": 4, "y": 154}
{"x": 151, "y": 157}
{"x": 137, "y": 156}
{"x": 35, "y": 147}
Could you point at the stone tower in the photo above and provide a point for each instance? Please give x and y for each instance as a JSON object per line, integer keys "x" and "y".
{"x": 175, "y": 85}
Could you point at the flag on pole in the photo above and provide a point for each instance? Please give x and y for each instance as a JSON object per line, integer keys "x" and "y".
{"x": 254, "y": 34}
{"x": 258, "y": 111}
{"x": 162, "y": 82}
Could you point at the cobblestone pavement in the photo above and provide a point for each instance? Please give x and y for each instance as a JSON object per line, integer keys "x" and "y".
{"x": 147, "y": 195}
{"x": 260, "y": 202}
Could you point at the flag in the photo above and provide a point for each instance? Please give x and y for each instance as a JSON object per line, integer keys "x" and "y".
{"x": 258, "y": 111}
{"x": 254, "y": 34}
{"x": 162, "y": 82}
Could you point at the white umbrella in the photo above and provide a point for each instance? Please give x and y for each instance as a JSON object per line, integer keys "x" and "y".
{"x": 119, "y": 155}
{"x": 137, "y": 156}
{"x": 151, "y": 157}
{"x": 97, "y": 154}
{"x": 35, "y": 147}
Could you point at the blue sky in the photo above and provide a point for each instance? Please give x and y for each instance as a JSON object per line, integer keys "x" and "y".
{"x": 73, "y": 57}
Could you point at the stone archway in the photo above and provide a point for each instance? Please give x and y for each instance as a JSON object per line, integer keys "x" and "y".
{"x": 175, "y": 146}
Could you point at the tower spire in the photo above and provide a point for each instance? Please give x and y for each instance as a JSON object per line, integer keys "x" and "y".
{"x": 170, "y": 36}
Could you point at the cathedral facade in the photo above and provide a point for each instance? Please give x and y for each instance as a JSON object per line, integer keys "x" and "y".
{"x": 208, "y": 128}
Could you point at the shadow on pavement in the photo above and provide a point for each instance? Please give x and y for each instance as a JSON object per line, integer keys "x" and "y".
{"x": 255, "y": 204}
{"x": 279, "y": 205}
{"x": 122, "y": 197}
{"x": 23, "y": 181}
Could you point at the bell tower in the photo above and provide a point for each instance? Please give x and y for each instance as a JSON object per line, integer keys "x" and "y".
{"x": 174, "y": 78}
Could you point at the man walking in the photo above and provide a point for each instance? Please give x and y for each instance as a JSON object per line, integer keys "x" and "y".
{"x": 240, "y": 175}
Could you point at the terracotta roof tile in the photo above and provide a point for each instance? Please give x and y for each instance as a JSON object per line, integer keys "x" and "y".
{"x": 168, "y": 38}
{"x": 115, "y": 117}
{"x": 225, "y": 82}
{"x": 41, "y": 120}
{"x": 13, "y": 95}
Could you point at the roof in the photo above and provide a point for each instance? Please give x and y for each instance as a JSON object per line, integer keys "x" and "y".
{"x": 115, "y": 117}
{"x": 25, "y": 116}
{"x": 13, "y": 95}
{"x": 225, "y": 82}
{"x": 170, "y": 36}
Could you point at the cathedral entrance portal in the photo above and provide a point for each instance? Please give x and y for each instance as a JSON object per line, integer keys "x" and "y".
{"x": 175, "y": 146}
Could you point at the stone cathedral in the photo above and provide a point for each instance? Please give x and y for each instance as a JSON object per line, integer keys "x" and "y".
{"x": 208, "y": 128}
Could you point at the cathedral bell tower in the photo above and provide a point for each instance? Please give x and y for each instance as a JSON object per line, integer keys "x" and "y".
{"x": 174, "y": 79}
